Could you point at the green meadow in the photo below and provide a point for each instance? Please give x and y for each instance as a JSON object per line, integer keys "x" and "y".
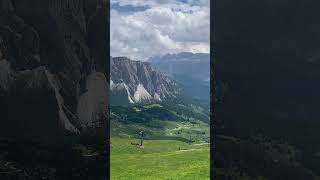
{"x": 175, "y": 145}
{"x": 159, "y": 159}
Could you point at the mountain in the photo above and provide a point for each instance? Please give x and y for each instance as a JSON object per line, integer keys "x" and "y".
{"x": 189, "y": 69}
{"x": 138, "y": 82}
{"x": 53, "y": 76}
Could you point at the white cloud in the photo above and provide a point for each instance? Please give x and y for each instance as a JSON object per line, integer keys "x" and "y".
{"x": 165, "y": 27}
{"x": 161, "y": 2}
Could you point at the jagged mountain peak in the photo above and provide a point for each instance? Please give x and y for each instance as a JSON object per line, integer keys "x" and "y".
{"x": 139, "y": 82}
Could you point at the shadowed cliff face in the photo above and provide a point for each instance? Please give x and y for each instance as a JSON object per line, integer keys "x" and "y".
{"x": 53, "y": 62}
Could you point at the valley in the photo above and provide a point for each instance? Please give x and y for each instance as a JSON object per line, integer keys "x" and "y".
{"x": 175, "y": 143}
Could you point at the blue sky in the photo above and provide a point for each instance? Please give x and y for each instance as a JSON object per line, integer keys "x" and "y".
{"x": 144, "y": 28}
{"x": 128, "y": 8}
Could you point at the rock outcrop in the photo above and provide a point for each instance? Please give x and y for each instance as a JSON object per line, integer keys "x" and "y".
{"x": 138, "y": 82}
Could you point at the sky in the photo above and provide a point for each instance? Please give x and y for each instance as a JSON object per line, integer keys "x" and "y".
{"x": 140, "y": 29}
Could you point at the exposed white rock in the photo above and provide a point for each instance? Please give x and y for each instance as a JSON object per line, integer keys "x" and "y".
{"x": 157, "y": 97}
{"x": 141, "y": 94}
{"x": 143, "y": 83}
{"x": 94, "y": 100}
{"x": 111, "y": 84}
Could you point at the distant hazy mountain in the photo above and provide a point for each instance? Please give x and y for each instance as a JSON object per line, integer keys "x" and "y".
{"x": 138, "y": 82}
{"x": 189, "y": 69}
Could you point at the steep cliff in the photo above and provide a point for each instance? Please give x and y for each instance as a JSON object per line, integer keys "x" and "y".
{"x": 138, "y": 82}
{"x": 53, "y": 67}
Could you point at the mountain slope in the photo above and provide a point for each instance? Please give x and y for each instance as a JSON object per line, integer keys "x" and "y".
{"x": 138, "y": 82}
{"x": 192, "y": 71}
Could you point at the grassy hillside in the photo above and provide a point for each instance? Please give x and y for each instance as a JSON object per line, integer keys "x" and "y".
{"x": 159, "y": 159}
{"x": 175, "y": 143}
{"x": 160, "y": 122}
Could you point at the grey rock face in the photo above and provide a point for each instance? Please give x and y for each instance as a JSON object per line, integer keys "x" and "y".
{"x": 46, "y": 51}
{"x": 140, "y": 82}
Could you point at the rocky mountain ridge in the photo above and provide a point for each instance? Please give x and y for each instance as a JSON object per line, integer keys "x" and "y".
{"x": 139, "y": 82}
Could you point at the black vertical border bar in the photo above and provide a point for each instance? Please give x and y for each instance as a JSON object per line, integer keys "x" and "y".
{"x": 212, "y": 88}
{"x": 107, "y": 3}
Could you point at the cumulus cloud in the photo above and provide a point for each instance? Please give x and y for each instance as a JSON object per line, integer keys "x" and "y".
{"x": 167, "y": 26}
{"x": 161, "y": 2}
